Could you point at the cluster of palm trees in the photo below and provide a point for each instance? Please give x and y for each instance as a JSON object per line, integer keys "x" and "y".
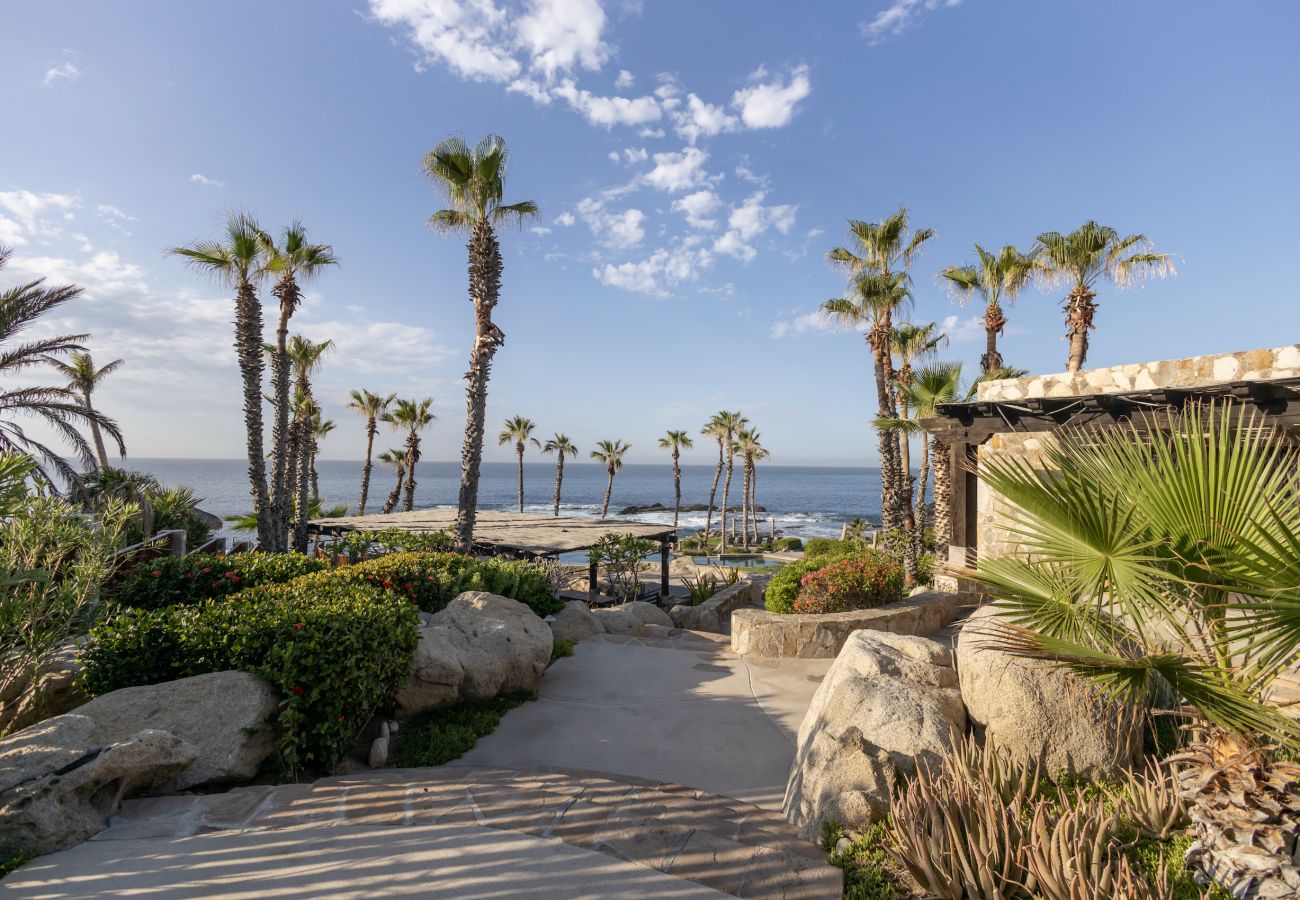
{"x": 409, "y": 416}
{"x": 877, "y": 262}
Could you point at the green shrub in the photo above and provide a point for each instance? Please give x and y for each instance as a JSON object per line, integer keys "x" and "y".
{"x": 788, "y": 543}
{"x": 561, "y": 648}
{"x": 438, "y": 736}
{"x": 171, "y": 580}
{"x": 846, "y": 584}
{"x": 784, "y": 586}
{"x": 11, "y": 863}
{"x": 336, "y": 651}
{"x": 432, "y": 580}
{"x": 354, "y": 544}
{"x": 820, "y": 546}
{"x": 868, "y": 874}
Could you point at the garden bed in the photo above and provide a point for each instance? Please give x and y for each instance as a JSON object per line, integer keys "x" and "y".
{"x": 756, "y": 632}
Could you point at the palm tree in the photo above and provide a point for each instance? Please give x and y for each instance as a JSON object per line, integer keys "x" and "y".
{"x": 123, "y": 486}
{"x": 728, "y": 423}
{"x": 373, "y": 407}
{"x": 910, "y": 342}
{"x": 611, "y": 454}
{"x": 713, "y": 428}
{"x": 881, "y": 252}
{"x": 520, "y": 431}
{"x": 995, "y": 278}
{"x": 561, "y": 446}
{"x": 1083, "y": 257}
{"x": 675, "y": 441}
{"x": 396, "y": 459}
{"x": 750, "y": 450}
{"x": 304, "y": 359}
{"x": 236, "y": 261}
{"x": 473, "y": 182}
{"x": 871, "y": 303}
{"x": 58, "y": 408}
{"x": 414, "y": 416}
{"x": 294, "y": 260}
{"x": 83, "y": 378}
{"x": 320, "y": 427}
{"x": 1163, "y": 564}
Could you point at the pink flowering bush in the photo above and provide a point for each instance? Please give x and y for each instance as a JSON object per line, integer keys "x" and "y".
{"x": 844, "y": 584}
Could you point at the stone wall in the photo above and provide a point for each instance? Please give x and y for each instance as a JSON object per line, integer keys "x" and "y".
{"x": 995, "y": 535}
{"x": 712, "y": 614}
{"x": 757, "y": 632}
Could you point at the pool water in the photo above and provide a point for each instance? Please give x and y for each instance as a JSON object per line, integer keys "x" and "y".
{"x": 738, "y": 561}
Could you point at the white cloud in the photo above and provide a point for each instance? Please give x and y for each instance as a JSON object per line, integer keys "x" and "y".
{"x": 206, "y": 181}
{"x": 749, "y": 220}
{"x": 697, "y": 207}
{"x": 471, "y": 38}
{"x": 812, "y": 321}
{"x": 675, "y": 172}
{"x": 624, "y": 80}
{"x": 699, "y": 119}
{"x": 562, "y": 34}
{"x": 961, "y": 330}
{"x": 635, "y": 155}
{"x": 608, "y": 111}
{"x": 657, "y": 274}
{"x": 651, "y": 133}
{"x": 745, "y": 173}
{"x": 897, "y": 18}
{"x": 622, "y": 230}
{"x": 540, "y": 230}
{"x": 771, "y": 104}
{"x": 66, "y": 71}
{"x": 26, "y": 214}
{"x": 565, "y": 219}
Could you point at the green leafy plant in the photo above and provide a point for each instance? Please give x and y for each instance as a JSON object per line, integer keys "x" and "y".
{"x": 335, "y": 650}
{"x": 866, "y": 862}
{"x": 437, "y": 736}
{"x": 359, "y": 544}
{"x": 784, "y": 586}
{"x": 620, "y": 556}
{"x": 11, "y": 863}
{"x": 792, "y": 544}
{"x": 432, "y": 580}
{"x": 701, "y": 588}
{"x": 168, "y": 581}
{"x": 561, "y": 648}
{"x": 847, "y": 584}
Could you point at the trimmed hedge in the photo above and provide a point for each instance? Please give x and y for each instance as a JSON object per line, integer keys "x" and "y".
{"x": 846, "y": 584}
{"x": 432, "y": 580}
{"x": 171, "y": 581}
{"x": 784, "y": 586}
{"x": 336, "y": 650}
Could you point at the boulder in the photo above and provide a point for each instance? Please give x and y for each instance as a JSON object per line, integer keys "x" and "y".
{"x": 617, "y": 620}
{"x": 696, "y": 618}
{"x": 575, "y": 623}
{"x": 1039, "y": 713}
{"x": 59, "y": 784}
{"x": 647, "y": 613}
{"x": 55, "y": 692}
{"x": 225, "y": 715}
{"x": 479, "y": 646}
{"x": 887, "y": 702}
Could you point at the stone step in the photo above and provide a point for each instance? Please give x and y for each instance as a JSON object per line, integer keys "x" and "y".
{"x": 715, "y": 841}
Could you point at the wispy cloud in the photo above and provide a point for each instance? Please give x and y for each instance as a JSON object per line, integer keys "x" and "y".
{"x": 64, "y": 71}
{"x": 898, "y": 18}
{"x": 206, "y": 181}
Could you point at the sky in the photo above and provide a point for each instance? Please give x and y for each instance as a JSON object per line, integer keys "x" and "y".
{"x": 693, "y": 162}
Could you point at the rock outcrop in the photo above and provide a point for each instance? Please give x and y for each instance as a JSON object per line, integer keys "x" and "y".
{"x": 59, "y": 783}
{"x": 479, "y": 646}
{"x": 575, "y": 623}
{"x": 55, "y": 692}
{"x": 1038, "y": 713}
{"x": 887, "y": 701}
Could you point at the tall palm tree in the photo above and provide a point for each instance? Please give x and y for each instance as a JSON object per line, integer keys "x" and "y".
{"x": 372, "y": 407}
{"x": 1082, "y": 258}
{"x": 473, "y": 181}
{"x": 414, "y": 416}
{"x": 304, "y": 359}
{"x": 320, "y": 427}
{"x": 396, "y": 459}
{"x": 751, "y": 450}
{"x": 714, "y": 429}
{"x": 675, "y": 441}
{"x": 611, "y": 454}
{"x": 995, "y": 278}
{"x": 519, "y": 430}
{"x": 236, "y": 261}
{"x": 881, "y": 253}
{"x": 909, "y": 342}
{"x": 83, "y": 378}
{"x": 871, "y": 303}
{"x": 728, "y": 424}
{"x": 561, "y": 446}
{"x": 1163, "y": 563}
{"x": 292, "y": 261}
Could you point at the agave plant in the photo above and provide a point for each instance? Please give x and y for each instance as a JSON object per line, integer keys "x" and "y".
{"x": 1150, "y": 800}
{"x": 1071, "y": 854}
{"x": 1164, "y": 563}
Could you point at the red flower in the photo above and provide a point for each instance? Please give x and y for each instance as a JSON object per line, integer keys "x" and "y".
{"x": 340, "y": 717}
{"x": 235, "y": 578}
{"x": 156, "y": 574}
{"x": 388, "y": 584}
{"x": 297, "y": 690}
{"x": 206, "y": 569}
{"x": 298, "y": 626}
{"x": 406, "y": 587}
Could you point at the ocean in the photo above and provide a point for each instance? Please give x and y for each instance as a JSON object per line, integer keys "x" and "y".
{"x": 806, "y": 501}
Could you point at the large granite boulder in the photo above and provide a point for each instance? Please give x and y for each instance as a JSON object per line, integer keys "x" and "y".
{"x": 225, "y": 715}
{"x": 479, "y": 646}
{"x": 696, "y": 618}
{"x": 575, "y": 623}
{"x": 1038, "y": 713}
{"x": 60, "y": 782}
{"x": 646, "y": 613}
{"x": 54, "y": 693}
{"x": 617, "y": 620}
{"x": 888, "y": 702}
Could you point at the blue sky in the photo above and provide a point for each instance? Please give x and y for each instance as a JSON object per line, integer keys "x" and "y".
{"x": 692, "y": 161}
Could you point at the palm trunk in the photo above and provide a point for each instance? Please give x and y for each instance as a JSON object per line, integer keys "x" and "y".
{"x": 609, "y": 489}
{"x": 677, "y": 486}
{"x": 286, "y": 290}
{"x": 994, "y": 322}
{"x": 412, "y": 457}
{"x": 918, "y": 534}
{"x": 1079, "y": 310}
{"x": 753, "y": 500}
{"x": 303, "y": 475}
{"x": 943, "y": 475}
{"x": 519, "y": 449}
{"x": 315, "y": 476}
{"x": 559, "y": 481}
{"x": 891, "y": 494}
{"x": 744, "y": 508}
{"x": 248, "y": 346}
{"x": 484, "y": 291}
{"x": 713, "y": 493}
{"x": 371, "y": 431}
{"x": 726, "y": 493}
{"x": 391, "y": 503}
{"x": 96, "y": 435}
